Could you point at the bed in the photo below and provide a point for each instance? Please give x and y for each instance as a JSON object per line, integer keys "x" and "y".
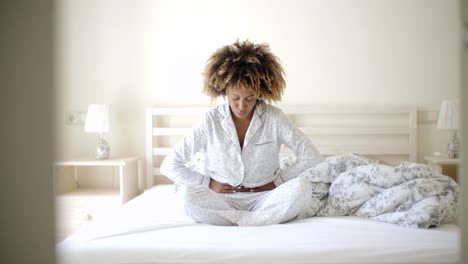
{"x": 153, "y": 228}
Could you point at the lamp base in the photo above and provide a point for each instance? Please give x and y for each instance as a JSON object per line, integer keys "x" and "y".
{"x": 103, "y": 149}
{"x": 453, "y": 147}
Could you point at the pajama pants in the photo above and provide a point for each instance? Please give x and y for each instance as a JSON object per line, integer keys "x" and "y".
{"x": 279, "y": 205}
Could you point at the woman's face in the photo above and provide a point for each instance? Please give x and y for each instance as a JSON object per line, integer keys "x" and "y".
{"x": 242, "y": 102}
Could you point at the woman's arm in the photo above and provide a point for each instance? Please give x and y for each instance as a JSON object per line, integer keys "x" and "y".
{"x": 174, "y": 165}
{"x": 306, "y": 153}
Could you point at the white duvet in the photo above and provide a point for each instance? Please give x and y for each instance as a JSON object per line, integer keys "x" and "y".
{"x": 410, "y": 195}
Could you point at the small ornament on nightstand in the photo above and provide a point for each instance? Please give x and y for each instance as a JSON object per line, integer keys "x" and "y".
{"x": 103, "y": 149}
{"x": 453, "y": 147}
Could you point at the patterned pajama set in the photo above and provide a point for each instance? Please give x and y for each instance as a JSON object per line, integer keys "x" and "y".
{"x": 256, "y": 164}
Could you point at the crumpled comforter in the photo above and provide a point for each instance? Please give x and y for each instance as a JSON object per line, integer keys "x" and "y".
{"x": 409, "y": 195}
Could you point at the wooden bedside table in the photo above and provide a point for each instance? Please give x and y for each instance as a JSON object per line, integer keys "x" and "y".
{"x": 444, "y": 165}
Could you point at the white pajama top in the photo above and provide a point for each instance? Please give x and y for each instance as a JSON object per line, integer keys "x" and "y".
{"x": 256, "y": 164}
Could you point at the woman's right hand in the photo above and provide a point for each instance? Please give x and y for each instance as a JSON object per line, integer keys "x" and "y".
{"x": 220, "y": 187}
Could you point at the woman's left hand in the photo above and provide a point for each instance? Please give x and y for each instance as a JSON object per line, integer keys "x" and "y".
{"x": 267, "y": 187}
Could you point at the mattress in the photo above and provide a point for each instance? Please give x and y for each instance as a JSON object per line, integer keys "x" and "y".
{"x": 153, "y": 228}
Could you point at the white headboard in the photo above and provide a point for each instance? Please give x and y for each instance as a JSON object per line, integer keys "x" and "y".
{"x": 383, "y": 132}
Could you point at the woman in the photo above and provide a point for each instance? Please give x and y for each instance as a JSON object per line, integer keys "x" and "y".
{"x": 242, "y": 183}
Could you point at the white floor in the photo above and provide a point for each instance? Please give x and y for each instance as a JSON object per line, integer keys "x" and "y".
{"x": 81, "y": 206}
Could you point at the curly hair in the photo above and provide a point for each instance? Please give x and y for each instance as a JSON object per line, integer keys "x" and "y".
{"x": 244, "y": 63}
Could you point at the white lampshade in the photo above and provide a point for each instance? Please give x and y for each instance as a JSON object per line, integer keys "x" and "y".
{"x": 97, "y": 118}
{"x": 448, "y": 115}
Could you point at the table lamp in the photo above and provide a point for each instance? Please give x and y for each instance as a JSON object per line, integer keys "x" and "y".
{"x": 448, "y": 120}
{"x": 97, "y": 121}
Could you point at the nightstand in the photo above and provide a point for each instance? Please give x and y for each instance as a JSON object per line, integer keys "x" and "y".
{"x": 128, "y": 173}
{"x": 77, "y": 206}
{"x": 444, "y": 165}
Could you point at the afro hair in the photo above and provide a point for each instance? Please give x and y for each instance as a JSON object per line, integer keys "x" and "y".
{"x": 246, "y": 64}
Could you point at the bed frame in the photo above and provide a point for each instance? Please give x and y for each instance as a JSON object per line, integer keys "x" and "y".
{"x": 165, "y": 234}
{"x": 383, "y": 132}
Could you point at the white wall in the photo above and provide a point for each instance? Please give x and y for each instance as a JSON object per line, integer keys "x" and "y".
{"x": 135, "y": 54}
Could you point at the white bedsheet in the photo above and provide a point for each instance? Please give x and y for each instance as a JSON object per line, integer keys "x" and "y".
{"x": 153, "y": 228}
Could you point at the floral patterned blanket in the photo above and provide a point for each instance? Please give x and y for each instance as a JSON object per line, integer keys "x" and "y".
{"x": 410, "y": 194}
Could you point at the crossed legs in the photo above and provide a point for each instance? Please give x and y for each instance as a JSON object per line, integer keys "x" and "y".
{"x": 264, "y": 208}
